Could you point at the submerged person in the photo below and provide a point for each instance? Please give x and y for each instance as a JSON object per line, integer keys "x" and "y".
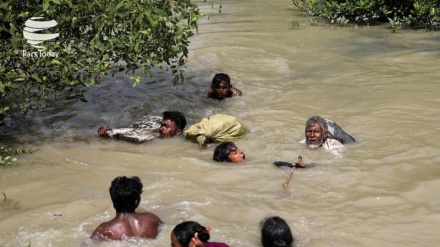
{"x": 318, "y": 135}
{"x": 275, "y": 232}
{"x": 172, "y": 124}
{"x": 146, "y": 128}
{"x": 222, "y": 88}
{"x": 229, "y": 152}
{"x": 192, "y": 234}
{"x": 126, "y": 195}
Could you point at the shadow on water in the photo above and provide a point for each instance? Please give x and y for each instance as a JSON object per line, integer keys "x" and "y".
{"x": 115, "y": 102}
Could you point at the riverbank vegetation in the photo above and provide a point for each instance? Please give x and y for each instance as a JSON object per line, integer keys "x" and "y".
{"x": 398, "y": 13}
{"x": 8, "y": 156}
{"x": 96, "y": 38}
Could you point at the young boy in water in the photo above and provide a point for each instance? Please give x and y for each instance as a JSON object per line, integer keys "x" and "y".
{"x": 126, "y": 195}
{"x": 229, "y": 152}
{"x": 222, "y": 88}
{"x": 169, "y": 125}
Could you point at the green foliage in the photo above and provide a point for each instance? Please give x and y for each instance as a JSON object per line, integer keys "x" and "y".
{"x": 7, "y": 155}
{"x": 97, "y": 37}
{"x": 418, "y": 14}
{"x": 294, "y": 23}
{"x": 427, "y": 14}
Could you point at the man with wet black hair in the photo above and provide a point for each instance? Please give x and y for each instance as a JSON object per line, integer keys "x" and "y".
{"x": 148, "y": 127}
{"x": 222, "y": 88}
{"x": 173, "y": 123}
{"x": 126, "y": 195}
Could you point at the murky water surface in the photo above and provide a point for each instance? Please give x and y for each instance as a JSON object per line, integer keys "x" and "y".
{"x": 381, "y": 87}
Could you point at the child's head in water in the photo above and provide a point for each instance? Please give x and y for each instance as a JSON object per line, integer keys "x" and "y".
{"x": 222, "y": 88}
{"x": 184, "y": 232}
{"x": 229, "y": 152}
{"x": 275, "y": 232}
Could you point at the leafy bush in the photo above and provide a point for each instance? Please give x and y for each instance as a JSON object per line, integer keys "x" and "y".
{"x": 97, "y": 37}
{"x": 7, "y": 155}
{"x": 417, "y": 14}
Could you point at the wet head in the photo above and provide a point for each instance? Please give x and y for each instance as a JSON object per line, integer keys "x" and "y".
{"x": 172, "y": 124}
{"x": 236, "y": 155}
{"x": 221, "y": 87}
{"x": 168, "y": 129}
{"x": 174, "y": 241}
{"x": 229, "y": 152}
{"x": 222, "y": 90}
{"x": 314, "y": 135}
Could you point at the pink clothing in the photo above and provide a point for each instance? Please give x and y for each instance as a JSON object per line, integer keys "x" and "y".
{"x": 215, "y": 244}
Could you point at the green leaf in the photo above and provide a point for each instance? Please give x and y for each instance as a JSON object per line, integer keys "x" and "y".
{"x": 54, "y": 61}
{"x": 37, "y": 78}
{"x": 120, "y": 4}
{"x": 145, "y": 31}
{"x": 45, "y": 4}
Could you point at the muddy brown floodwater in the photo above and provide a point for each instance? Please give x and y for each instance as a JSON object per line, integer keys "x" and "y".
{"x": 381, "y": 87}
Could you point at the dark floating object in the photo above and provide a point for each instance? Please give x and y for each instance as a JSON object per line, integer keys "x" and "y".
{"x": 283, "y": 163}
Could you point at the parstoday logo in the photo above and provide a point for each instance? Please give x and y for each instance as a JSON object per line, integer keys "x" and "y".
{"x": 33, "y": 33}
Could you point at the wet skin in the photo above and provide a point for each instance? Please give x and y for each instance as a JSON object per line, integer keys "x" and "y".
{"x": 168, "y": 129}
{"x": 174, "y": 241}
{"x": 314, "y": 136}
{"x": 236, "y": 155}
{"x": 222, "y": 91}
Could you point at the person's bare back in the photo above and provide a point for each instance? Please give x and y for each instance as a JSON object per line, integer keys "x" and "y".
{"x": 144, "y": 225}
{"x": 125, "y": 194}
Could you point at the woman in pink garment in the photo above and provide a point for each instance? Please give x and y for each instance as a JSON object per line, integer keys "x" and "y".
{"x": 192, "y": 234}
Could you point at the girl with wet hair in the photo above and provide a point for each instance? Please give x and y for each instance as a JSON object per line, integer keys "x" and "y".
{"x": 192, "y": 234}
{"x": 275, "y": 232}
{"x": 228, "y": 152}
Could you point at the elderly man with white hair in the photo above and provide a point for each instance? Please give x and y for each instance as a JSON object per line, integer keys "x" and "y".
{"x": 327, "y": 134}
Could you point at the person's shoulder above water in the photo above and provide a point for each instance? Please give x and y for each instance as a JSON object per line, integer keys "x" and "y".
{"x": 222, "y": 88}
{"x": 125, "y": 194}
{"x": 318, "y": 135}
{"x": 334, "y": 147}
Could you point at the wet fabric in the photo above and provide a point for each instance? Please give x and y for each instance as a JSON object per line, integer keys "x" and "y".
{"x": 143, "y": 129}
{"x": 217, "y": 128}
{"x": 331, "y": 145}
{"x": 334, "y": 147}
{"x": 334, "y": 131}
{"x": 215, "y": 244}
